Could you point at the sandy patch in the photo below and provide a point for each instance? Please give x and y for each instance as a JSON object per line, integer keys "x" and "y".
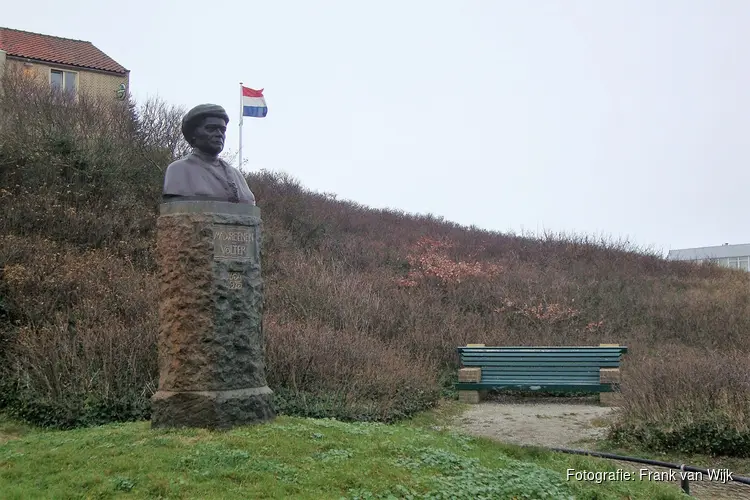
{"x": 537, "y": 422}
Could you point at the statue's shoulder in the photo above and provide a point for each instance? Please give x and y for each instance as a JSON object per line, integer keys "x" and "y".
{"x": 230, "y": 167}
{"x": 180, "y": 164}
{"x": 225, "y": 163}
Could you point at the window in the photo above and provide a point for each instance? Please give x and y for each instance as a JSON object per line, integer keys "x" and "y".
{"x": 65, "y": 81}
{"x": 736, "y": 263}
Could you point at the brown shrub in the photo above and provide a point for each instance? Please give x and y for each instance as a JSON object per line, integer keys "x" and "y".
{"x": 85, "y": 336}
{"x": 682, "y": 383}
{"x": 692, "y": 400}
{"x": 310, "y": 357}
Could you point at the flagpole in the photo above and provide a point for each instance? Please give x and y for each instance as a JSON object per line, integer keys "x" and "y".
{"x": 241, "y": 113}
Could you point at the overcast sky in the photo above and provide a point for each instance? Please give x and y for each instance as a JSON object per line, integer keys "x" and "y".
{"x": 624, "y": 118}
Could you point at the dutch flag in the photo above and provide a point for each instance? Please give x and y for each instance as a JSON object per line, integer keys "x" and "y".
{"x": 253, "y": 103}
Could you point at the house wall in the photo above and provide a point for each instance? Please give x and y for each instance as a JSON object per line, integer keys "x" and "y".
{"x": 90, "y": 82}
{"x": 735, "y": 262}
{"x": 101, "y": 84}
{"x": 2, "y": 67}
{"x": 741, "y": 262}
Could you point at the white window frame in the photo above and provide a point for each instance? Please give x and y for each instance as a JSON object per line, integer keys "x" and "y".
{"x": 63, "y": 71}
{"x": 734, "y": 262}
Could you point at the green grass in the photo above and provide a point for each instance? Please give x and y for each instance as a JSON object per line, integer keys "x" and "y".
{"x": 292, "y": 458}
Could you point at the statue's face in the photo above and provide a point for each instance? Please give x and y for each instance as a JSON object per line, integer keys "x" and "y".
{"x": 209, "y": 136}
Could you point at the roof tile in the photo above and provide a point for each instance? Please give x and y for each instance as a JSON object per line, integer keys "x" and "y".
{"x": 56, "y": 50}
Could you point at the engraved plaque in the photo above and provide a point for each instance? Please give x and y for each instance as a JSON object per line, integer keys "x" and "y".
{"x": 235, "y": 243}
{"x": 235, "y": 281}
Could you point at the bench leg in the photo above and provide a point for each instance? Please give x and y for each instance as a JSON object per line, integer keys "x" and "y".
{"x": 469, "y": 397}
{"x": 470, "y": 375}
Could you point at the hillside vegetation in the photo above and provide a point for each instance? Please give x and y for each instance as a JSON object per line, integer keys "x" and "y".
{"x": 364, "y": 308}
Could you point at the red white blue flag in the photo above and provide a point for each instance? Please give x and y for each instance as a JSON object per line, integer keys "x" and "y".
{"x": 253, "y": 103}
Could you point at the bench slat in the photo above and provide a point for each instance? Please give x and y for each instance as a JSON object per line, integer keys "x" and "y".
{"x": 465, "y": 386}
{"x": 528, "y": 355}
{"x": 528, "y": 375}
{"x": 568, "y": 354}
{"x": 539, "y": 369}
{"x": 501, "y": 350}
{"x": 531, "y": 363}
{"x": 513, "y": 354}
{"x": 540, "y": 362}
{"x": 512, "y": 350}
{"x": 539, "y": 381}
{"x": 560, "y": 376}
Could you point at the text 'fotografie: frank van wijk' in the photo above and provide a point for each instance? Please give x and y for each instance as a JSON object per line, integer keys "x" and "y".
{"x": 718, "y": 475}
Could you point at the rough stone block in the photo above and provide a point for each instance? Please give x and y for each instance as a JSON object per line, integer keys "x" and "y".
{"x": 212, "y": 409}
{"x": 211, "y": 342}
{"x": 470, "y": 397}
{"x": 470, "y": 375}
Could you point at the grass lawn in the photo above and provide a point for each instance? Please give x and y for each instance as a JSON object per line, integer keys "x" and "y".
{"x": 293, "y": 458}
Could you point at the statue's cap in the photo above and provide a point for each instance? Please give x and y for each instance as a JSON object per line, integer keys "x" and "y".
{"x": 192, "y": 117}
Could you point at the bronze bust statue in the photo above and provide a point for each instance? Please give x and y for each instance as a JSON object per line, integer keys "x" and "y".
{"x": 202, "y": 175}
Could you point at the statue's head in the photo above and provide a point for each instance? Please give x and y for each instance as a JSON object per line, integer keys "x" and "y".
{"x": 205, "y": 128}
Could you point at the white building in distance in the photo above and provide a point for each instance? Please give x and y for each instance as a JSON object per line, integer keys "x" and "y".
{"x": 726, "y": 255}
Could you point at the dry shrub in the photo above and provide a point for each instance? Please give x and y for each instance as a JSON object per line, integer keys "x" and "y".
{"x": 84, "y": 346}
{"x": 79, "y": 189}
{"x": 87, "y": 171}
{"x": 322, "y": 290}
{"x": 681, "y": 382}
{"x": 346, "y": 375}
{"x": 692, "y": 400}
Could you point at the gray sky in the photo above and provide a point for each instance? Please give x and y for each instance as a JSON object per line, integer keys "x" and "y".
{"x": 626, "y": 119}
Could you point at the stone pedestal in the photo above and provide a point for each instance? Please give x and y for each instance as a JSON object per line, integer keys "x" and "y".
{"x": 211, "y": 346}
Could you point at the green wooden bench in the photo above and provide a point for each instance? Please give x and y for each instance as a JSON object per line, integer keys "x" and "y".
{"x": 574, "y": 369}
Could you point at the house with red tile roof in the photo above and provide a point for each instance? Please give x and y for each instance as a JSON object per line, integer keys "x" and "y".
{"x": 68, "y": 65}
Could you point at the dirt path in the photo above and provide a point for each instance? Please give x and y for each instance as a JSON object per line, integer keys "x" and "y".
{"x": 576, "y": 423}
{"x": 537, "y": 422}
